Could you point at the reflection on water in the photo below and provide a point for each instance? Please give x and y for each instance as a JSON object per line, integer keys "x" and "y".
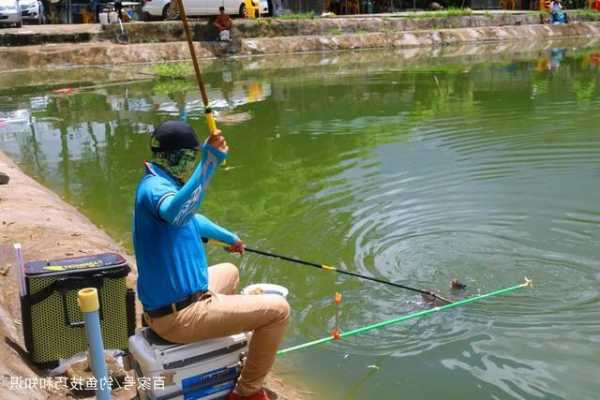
{"x": 72, "y": 137}
{"x": 486, "y": 171}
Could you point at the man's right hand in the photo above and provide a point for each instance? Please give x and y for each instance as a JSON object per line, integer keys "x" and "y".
{"x": 237, "y": 247}
{"x": 217, "y": 140}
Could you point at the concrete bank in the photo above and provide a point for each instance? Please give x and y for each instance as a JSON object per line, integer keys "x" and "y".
{"x": 105, "y": 53}
{"x": 171, "y": 31}
{"x": 266, "y": 28}
{"x": 49, "y": 228}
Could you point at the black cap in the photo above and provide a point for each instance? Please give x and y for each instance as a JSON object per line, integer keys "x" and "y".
{"x": 175, "y": 135}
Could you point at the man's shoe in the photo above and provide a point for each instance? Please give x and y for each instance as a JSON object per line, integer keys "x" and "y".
{"x": 260, "y": 395}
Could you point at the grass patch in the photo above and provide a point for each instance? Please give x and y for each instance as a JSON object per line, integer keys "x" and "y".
{"x": 450, "y": 12}
{"x": 263, "y": 21}
{"x": 172, "y": 70}
{"x": 305, "y": 15}
{"x": 458, "y": 12}
{"x": 586, "y": 14}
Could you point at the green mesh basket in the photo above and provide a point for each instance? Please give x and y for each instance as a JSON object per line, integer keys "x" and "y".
{"x": 52, "y": 322}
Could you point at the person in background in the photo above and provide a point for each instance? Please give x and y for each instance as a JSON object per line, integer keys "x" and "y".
{"x": 94, "y": 9}
{"x": 335, "y": 7}
{"x": 277, "y": 8}
{"x": 558, "y": 16}
{"x": 119, "y": 9}
{"x": 223, "y": 24}
{"x": 184, "y": 300}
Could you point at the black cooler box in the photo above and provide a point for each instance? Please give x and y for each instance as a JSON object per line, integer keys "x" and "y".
{"x": 53, "y": 325}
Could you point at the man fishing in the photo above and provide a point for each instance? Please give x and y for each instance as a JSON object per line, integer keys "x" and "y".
{"x": 185, "y": 300}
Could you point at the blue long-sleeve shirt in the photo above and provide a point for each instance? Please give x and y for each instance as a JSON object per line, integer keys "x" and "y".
{"x": 167, "y": 233}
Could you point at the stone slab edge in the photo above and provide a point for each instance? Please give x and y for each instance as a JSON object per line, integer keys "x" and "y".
{"x": 398, "y": 40}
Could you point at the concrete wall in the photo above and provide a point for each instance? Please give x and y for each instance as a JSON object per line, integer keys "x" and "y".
{"x": 154, "y": 32}
{"x": 114, "y": 54}
{"x": 171, "y": 31}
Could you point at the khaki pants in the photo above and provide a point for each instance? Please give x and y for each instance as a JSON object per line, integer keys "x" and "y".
{"x": 223, "y": 313}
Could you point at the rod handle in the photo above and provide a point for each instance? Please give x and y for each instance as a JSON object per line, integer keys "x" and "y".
{"x": 210, "y": 120}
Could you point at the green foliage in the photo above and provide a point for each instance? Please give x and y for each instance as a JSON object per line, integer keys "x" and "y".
{"x": 585, "y": 14}
{"x": 303, "y": 15}
{"x": 172, "y": 70}
{"x": 450, "y": 12}
{"x": 263, "y": 21}
{"x": 457, "y": 11}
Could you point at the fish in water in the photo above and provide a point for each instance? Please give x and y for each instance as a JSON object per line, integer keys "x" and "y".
{"x": 436, "y": 301}
{"x": 455, "y": 284}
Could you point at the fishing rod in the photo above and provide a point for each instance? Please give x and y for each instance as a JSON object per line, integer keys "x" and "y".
{"x": 334, "y": 269}
{"x": 210, "y": 119}
{"x": 393, "y": 321}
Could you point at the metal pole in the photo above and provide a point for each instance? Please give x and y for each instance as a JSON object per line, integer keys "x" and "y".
{"x": 89, "y": 305}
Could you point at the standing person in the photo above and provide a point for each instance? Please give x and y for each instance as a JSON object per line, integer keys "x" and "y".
{"x": 95, "y": 9}
{"x": 223, "y": 24}
{"x": 119, "y": 9}
{"x": 184, "y": 300}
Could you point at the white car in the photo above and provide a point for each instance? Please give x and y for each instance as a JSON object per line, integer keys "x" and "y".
{"x": 32, "y": 11}
{"x": 162, "y": 8}
{"x": 10, "y": 13}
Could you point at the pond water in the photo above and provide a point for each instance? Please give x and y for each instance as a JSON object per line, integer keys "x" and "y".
{"x": 487, "y": 171}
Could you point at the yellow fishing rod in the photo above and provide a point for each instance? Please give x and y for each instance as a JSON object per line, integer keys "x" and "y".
{"x": 210, "y": 119}
{"x": 334, "y": 269}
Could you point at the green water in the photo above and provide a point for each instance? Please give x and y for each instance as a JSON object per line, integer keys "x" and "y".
{"x": 417, "y": 173}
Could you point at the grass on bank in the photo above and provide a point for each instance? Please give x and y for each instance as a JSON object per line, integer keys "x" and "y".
{"x": 587, "y": 14}
{"x": 303, "y": 15}
{"x": 449, "y": 12}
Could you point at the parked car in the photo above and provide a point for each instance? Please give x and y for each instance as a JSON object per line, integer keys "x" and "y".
{"x": 9, "y": 13}
{"x": 32, "y": 11}
{"x": 163, "y": 9}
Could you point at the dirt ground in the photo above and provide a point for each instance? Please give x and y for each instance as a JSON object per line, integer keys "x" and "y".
{"x": 47, "y": 227}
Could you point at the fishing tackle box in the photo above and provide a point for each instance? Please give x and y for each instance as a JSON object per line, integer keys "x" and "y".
{"x": 204, "y": 370}
{"x": 53, "y": 325}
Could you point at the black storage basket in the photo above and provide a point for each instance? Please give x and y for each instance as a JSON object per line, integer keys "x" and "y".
{"x": 53, "y": 325}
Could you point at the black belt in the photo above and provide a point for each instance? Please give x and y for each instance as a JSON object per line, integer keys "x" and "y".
{"x": 174, "y": 307}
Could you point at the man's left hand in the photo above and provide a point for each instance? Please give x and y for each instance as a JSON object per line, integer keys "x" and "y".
{"x": 237, "y": 247}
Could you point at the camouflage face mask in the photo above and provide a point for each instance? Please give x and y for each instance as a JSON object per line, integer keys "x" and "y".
{"x": 179, "y": 163}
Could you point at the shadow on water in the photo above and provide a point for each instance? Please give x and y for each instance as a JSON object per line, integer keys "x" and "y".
{"x": 395, "y": 165}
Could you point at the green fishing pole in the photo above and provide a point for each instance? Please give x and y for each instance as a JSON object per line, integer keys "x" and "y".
{"x": 334, "y": 269}
{"x": 367, "y": 328}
